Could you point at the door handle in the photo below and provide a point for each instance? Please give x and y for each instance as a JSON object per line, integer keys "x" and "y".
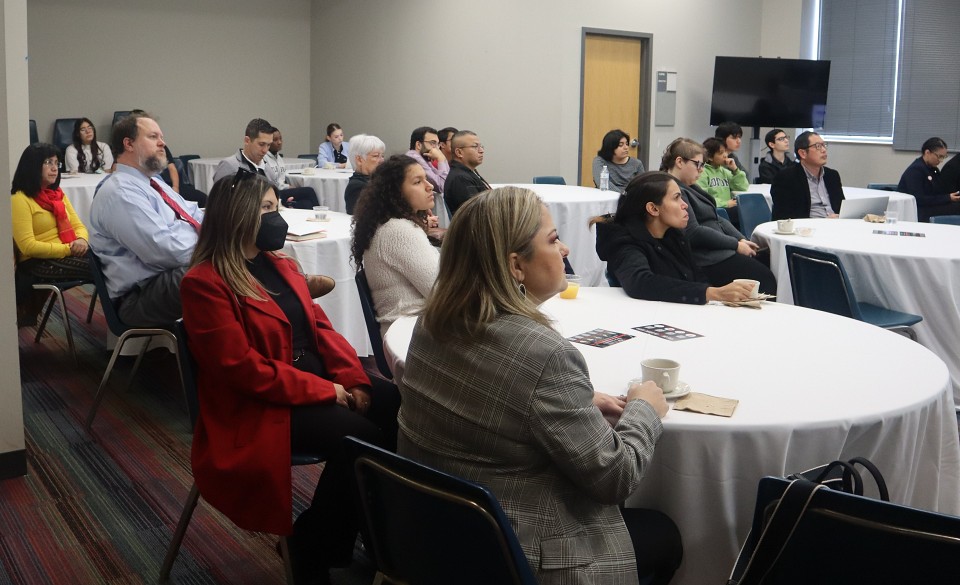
{"x": 634, "y": 143}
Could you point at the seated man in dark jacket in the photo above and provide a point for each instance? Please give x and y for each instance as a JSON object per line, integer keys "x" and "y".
{"x": 808, "y": 189}
{"x": 463, "y": 181}
{"x": 922, "y": 180}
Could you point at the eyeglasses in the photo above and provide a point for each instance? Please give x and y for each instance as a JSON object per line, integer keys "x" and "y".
{"x": 51, "y": 162}
{"x": 477, "y": 146}
{"x": 783, "y": 138}
{"x": 821, "y": 146}
{"x": 432, "y": 143}
{"x": 940, "y": 157}
{"x": 86, "y": 128}
{"x": 697, "y": 163}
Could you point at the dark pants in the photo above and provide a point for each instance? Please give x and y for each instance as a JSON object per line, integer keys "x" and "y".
{"x": 303, "y": 197}
{"x": 740, "y": 266}
{"x": 324, "y": 534}
{"x": 656, "y": 543}
{"x": 155, "y": 302}
{"x": 927, "y": 211}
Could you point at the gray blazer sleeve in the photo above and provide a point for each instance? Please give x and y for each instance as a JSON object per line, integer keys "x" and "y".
{"x": 702, "y": 236}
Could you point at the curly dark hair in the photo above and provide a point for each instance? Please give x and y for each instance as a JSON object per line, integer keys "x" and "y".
{"x": 380, "y": 201}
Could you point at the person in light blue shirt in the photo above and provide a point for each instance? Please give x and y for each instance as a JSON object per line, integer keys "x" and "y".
{"x": 144, "y": 233}
{"x": 334, "y": 150}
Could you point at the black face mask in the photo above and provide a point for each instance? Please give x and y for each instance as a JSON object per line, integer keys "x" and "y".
{"x": 272, "y": 233}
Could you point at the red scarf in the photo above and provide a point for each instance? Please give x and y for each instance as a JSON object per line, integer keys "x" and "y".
{"x": 52, "y": 201}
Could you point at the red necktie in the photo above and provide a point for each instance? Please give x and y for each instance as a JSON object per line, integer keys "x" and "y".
{"x": 177, "y": 210}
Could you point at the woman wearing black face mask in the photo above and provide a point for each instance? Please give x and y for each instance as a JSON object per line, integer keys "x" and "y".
{"x": 273, "y": 377}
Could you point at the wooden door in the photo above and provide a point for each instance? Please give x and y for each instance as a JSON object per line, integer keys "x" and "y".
{"x": 611, "y": 97}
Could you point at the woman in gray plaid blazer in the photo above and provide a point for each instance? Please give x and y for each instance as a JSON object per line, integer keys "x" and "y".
{"x": 491, "y": 392}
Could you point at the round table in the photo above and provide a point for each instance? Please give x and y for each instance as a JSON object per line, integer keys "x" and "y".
{"x": 330, "y": 184}
{"x": 80, "y": 189}
{"x": 331, "y": 256}
{"x": 902, "y": 203}
{"x": 571, "y": 207}
{"x": 919, "y": 275}
{"x": 806, "y": 398}
{"x": 203, "y": 169}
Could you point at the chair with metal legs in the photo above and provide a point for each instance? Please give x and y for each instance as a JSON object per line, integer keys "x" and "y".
{"x": 57, "y": 289}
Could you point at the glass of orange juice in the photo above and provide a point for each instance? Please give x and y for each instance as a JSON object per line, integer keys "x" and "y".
{"x": 573, "y": 287}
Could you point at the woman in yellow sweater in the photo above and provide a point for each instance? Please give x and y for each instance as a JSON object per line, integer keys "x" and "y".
{"x": 50, "y": 239}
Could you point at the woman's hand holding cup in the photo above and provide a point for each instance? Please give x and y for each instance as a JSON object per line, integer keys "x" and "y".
{"x": 650, "y": 393}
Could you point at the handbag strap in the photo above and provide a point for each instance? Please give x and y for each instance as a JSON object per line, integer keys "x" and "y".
{"x": 877, "y": 476}
{"x": 784, "y": 520}
{"x": 851, "y": 482}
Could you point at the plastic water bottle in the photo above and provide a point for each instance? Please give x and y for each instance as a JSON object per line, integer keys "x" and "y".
{"x": 604, "y": 179}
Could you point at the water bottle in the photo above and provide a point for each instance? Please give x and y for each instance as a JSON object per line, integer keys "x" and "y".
{"x": 604, "y": 179}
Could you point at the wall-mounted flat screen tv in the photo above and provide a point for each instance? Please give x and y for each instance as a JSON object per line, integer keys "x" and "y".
{"x": 753, "y": 91}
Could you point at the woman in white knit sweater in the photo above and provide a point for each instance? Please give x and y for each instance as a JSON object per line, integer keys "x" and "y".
{"x": 390, "y": 239}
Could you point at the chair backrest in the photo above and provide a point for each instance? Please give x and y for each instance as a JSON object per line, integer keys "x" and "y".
{"x": 188, "y": 371}
{"x": 853, "y": 539}
{"x": 430, "y": 528}
{"x": 945, "y": 219}
{"x": 119, "y": 114}
{"x": 63, "y": 133}
{"x": 882, "y": 186}
{"x": 177, "y": 164}
{"x": 819, "y": 281}
{"x": 753, "y": 210}
{"x": 117, "y": 327}
{"x": 373, "y": 326}
{"x": 549, "y": 180}
{"x": 34, "y": 136}
{"x": 185, "y": 175}
{"x": 308, "y": 156}
{"x": 722, "y": 213}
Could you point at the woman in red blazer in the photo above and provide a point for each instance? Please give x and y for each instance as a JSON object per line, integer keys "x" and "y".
{"x": 273, "y": 377}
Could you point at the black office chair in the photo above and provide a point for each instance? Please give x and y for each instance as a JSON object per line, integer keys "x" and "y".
{"x": 188, "y": 372}
{"x": 118, "y": 115}
{"x": 945, "y": 219}
{"x": 836, "y": 537}
{"x": 820, "y": 282}
{"x": 63, "y": 133}
{"x": 753, "y": 210}
{"x": 185, "y": 159}
{"x": 373, "y": 326}
{"x": 34, "y": 136}
{"x": 308, "y": 156}
{"x": 549, "y": 180}
{"x": 123, "y": 332}
{"x": 431, "y": 528}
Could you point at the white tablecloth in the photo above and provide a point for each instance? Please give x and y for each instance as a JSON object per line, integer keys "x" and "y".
{"x": 329, "y": 184}
{"x": 331, "y": 256}
{"x": 910, "y": 274}
{"x": 904, "y": 204}
{"x": 871, "y": 393}
{"x": 79, "y": 189}
{"x": 203, "y": 169}
{"x": 572, "y": 207}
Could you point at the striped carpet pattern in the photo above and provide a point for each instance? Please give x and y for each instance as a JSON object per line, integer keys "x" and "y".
{"x": 102, "y": 508}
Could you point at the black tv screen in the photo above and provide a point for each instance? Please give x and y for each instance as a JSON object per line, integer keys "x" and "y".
{"x": 752, "y": 91}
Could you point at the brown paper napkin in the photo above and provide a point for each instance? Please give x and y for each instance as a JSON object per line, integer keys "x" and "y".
{"x": 706, "y": 404}
{"x": 874, "y": 218}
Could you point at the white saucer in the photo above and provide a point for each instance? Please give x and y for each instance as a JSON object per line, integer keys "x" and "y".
{"x": 680, "y": 391}
{"x": 790, "y": 233}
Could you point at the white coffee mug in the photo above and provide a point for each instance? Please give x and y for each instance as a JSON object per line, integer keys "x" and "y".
{"x": 785, "y": 225}
{"x": 665, "y": 373}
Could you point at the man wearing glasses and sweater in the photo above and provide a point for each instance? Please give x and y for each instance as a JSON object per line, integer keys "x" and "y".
{"x": 808, "y": 189}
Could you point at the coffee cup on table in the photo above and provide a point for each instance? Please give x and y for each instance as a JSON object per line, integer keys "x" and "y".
{"x": 309, "y": 170}
{"x": 754, "y": 286}
{"x": 328, "y": 165}
{"x": 663, "y": 372}
{"x": 785, "y": 225}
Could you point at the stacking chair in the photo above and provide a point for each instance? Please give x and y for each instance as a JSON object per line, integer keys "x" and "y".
{"x": 118, "y": 115}
{"x": 431, "y": 528}
{"x": 308, "y": 156}
{"x": 721, "y": 212}
{"x": 754, "y": 210}
{"x": 185, "y": 159}
{"x": 820, "y": 282}
{"x": 34, "y": 135}
{"x": 373, "y": 326}
{"x": 549, "y": 180}
{"x": 123, "y": 332}
{"x": 188, "y": 372}
{"x": 882, "y": 186}
{"x": 945, "y": 219}
{"x": 63, "y": 133}
{"x": 58, "y": 288}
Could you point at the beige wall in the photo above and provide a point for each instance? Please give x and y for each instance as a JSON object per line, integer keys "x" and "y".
{"x": 205, "y": 68}
{"x": 508, "y": 70}
{"x": 13, "y": 98}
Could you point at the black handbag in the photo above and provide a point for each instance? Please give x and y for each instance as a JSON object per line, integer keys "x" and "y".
{"x": 824, "y": 531}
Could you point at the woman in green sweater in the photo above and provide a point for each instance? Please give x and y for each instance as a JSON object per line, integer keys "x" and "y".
{"x": 721, "y": 177}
